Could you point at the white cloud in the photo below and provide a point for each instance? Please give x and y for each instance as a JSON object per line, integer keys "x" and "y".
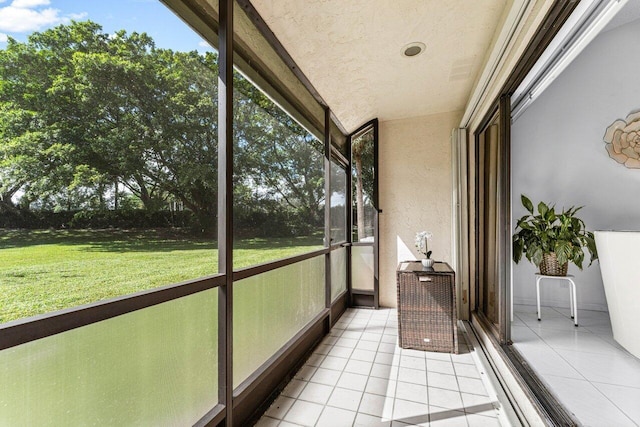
{"x": 28, "y": 4}
{"x": 78, "y": 16}
{"x": 20, "y": 20}
{"x": 24, "y": 16}
{"x": 3, "y": 38}
{"x": 204, "y": 44}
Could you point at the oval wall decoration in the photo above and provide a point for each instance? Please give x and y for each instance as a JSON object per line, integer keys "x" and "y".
{"x": 622, "y": 140}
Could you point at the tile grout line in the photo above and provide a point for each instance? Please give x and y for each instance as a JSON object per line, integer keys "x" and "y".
{"x": 614, "y": 403}
{"x": 604, "y": 395}
{"x": 503, "y": 409}
{"x": 554, "y": 349}
{"x": 558, "y": 354}
{"x": 380, "y": 324}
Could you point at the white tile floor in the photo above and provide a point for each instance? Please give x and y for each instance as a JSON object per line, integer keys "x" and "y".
{"x": 593, "y": 376}
{"x": 358, "y": 376}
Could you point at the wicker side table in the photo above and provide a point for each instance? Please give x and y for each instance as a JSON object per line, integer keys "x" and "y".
{"x": 427, "y": 307}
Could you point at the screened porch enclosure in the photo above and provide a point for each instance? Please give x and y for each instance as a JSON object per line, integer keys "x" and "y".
{"x": 184, "y": 220}
{"x": 240, "y": 273}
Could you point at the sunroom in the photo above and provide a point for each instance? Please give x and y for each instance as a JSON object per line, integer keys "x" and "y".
{"x": 204, "y": 204}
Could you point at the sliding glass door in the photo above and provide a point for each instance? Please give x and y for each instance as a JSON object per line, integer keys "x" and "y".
{"x": 492, "y": 293}
{"x": 487, "y": 212}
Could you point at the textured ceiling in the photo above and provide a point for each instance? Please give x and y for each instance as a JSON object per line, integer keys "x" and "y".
{"x": 351, "y": 52}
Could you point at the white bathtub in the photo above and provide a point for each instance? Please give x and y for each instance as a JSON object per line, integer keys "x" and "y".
{"x": 619, "y": 254}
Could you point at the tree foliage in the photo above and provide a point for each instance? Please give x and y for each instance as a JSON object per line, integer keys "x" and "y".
{"x": 89, "y": 119}
{"x": 362, "y": 150}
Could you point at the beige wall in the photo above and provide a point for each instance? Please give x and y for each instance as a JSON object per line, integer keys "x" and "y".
{"x": 415, "y": 192}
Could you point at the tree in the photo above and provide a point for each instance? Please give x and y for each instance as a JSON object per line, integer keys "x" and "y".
{"x": 362, "y": 155}
{"x": 276, "y": 156}
{"x": 83, "y": 113}
{"x": 82, "y": 110}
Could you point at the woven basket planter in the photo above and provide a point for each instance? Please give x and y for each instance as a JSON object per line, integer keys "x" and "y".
{"x": 550, "y": 266}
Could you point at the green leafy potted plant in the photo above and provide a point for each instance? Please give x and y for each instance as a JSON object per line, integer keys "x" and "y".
{"x": 550, "y": 240}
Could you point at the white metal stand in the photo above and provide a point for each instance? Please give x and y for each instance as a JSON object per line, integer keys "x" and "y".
{"x": 573, "y": 300}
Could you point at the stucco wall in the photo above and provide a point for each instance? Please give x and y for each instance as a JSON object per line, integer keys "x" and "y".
{"x": 558, "y": 154}
{"x": 415, "y": 192}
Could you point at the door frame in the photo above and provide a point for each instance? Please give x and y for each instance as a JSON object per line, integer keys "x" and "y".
{"x": 515, "y": 375}
{"x": 363, "y": 298}
{"x": 545, "y": 33}
{"x": 502, "y": 108}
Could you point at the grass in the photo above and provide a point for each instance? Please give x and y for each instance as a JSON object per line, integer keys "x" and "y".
{"x": 43, "y": 271}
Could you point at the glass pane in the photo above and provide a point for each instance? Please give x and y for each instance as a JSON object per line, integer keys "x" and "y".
{"x": 362, "y": 267}
{"x": 270, "y": 308}
{"x": 278, "y": 181}
{"x": 338, "y": 204}
{"x": 362, "y": 171}
{"x": 489, "y": 229}
{"x": 278, "y": 155}
{"x": 108, "y": 156}
{"x": 155, "y": 366}
{"x": 338, "y": 139}
{"x": 338, "y": 272}
{"x": 256, "y": 58}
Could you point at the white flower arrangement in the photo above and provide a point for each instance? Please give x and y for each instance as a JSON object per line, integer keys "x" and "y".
{"x": 422, "y": 243}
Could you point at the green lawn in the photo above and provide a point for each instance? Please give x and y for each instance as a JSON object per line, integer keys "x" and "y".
{"x": 43, "y": 271}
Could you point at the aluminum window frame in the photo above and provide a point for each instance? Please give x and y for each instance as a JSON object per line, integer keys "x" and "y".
{"x": 227, "y": 410}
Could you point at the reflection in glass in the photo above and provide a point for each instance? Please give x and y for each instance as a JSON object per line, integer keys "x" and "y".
{"x": 489, "y": 176}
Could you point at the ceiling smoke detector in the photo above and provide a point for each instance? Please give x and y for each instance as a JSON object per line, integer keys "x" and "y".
{"x": 413, "y": 49}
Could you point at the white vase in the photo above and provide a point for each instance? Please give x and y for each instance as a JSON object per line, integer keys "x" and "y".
{"x": 427, "y": 262}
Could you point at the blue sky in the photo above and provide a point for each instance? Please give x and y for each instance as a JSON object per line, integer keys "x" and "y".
{"x": 19, "y": 18}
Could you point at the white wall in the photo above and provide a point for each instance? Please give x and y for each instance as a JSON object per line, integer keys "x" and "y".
{"x": 558, "y": 154}
{"x": 415, "y": 192}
